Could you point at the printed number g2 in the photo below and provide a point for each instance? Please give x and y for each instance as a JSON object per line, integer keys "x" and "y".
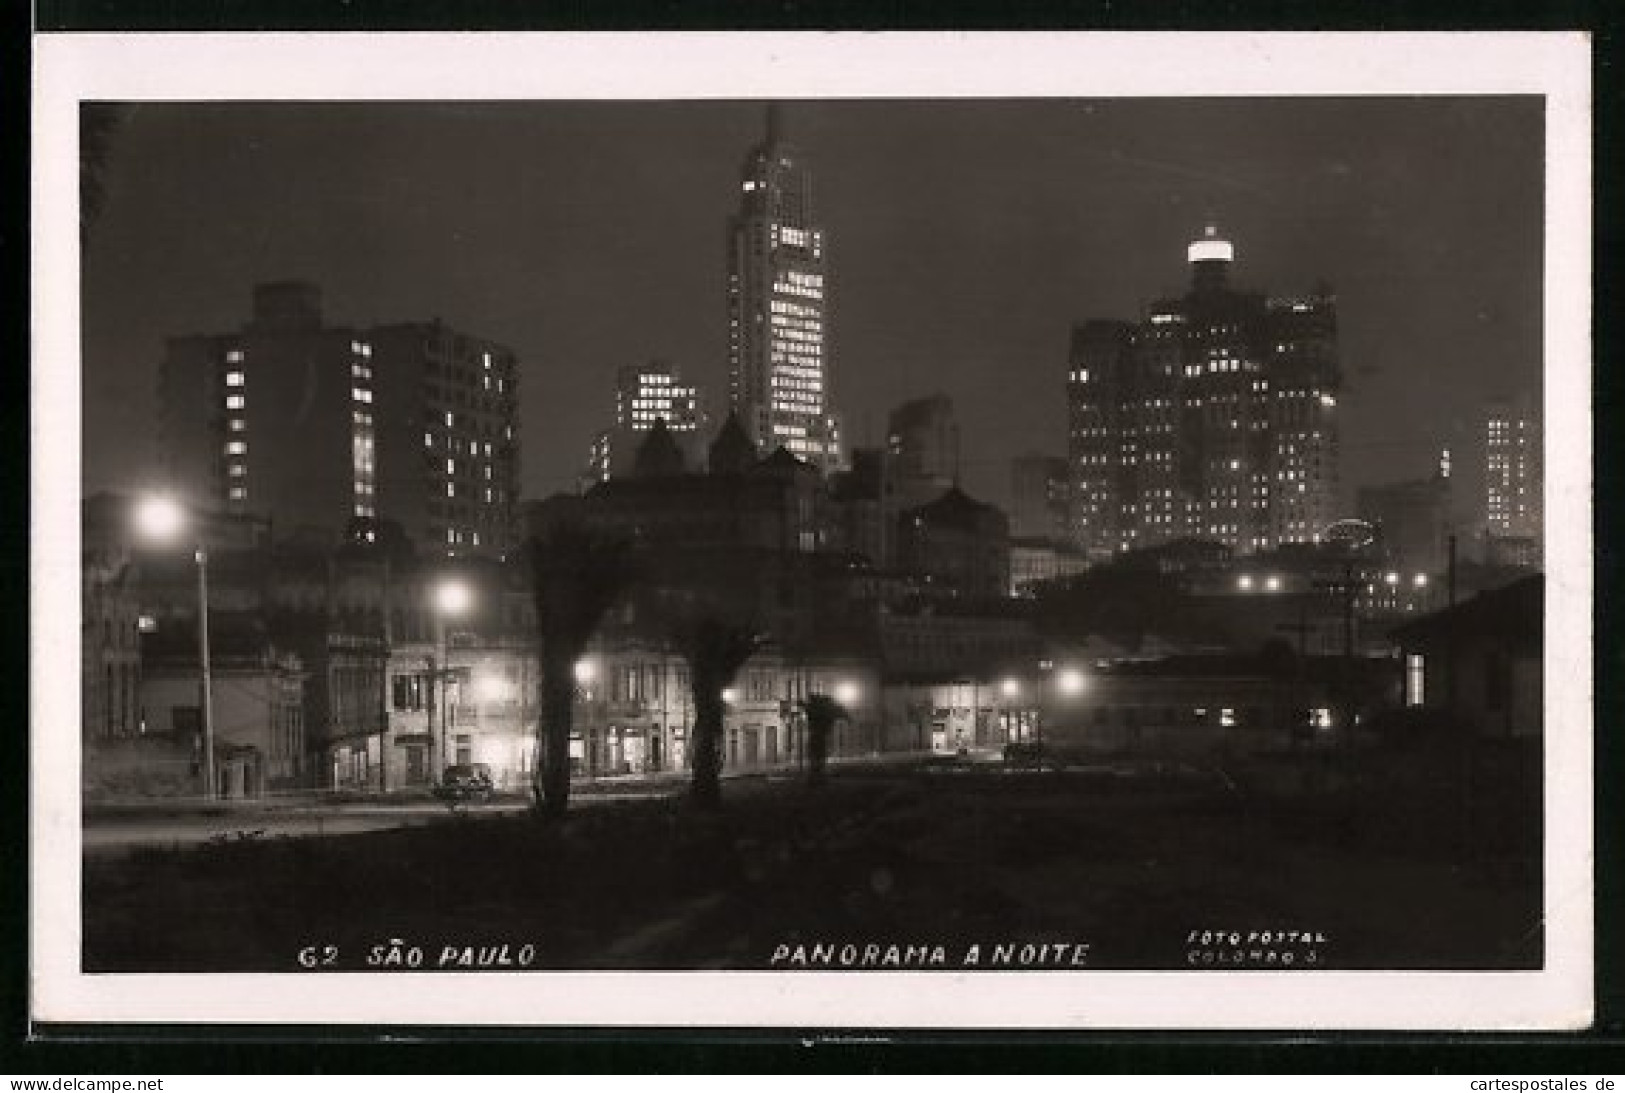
{"x": 318, "y": 956}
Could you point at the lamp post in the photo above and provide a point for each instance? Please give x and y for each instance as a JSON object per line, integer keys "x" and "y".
{"x": 451, "y": 599}
{"x": 162, "y": 519}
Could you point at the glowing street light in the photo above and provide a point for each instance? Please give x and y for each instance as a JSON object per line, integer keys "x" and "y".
{"x": 1070, "y": 681}
{"x": 1244, "y": 582}
{"x": 160, "y": 518}
{"x": 729, "y": 695}
{"x": 846, "y": 692}
{"x": 1272, "y": 583}
{"x": 1421, "y": 580}
{"x": 585, "y": 671}
{"x": 163, "y": 520}
{"x": 1010, "y": 688}
{"x": 452, "y": 599}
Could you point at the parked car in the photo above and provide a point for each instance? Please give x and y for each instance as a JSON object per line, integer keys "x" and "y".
{"x": 466, "y": 782}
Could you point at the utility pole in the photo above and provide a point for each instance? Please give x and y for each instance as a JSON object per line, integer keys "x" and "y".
{"x": 386, "y": 628}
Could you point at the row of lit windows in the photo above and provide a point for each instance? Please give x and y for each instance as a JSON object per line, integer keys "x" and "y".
{"x": 807, "y": 291}
{"x": 790, "y": 307}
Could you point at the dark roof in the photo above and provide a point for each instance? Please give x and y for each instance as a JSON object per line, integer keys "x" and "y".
{"x": 781, "y": 459}
{"x": 1513, "y": 613}
{"x": 658, "y": 456}
{"x": 956, "y": 508}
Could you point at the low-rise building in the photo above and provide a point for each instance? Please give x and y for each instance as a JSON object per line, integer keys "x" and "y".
{"x": 1481, "y": 661}
{"x": 257, "y": 701}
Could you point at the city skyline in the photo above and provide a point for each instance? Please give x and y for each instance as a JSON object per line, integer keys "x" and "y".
{"x": 963, "y": 260}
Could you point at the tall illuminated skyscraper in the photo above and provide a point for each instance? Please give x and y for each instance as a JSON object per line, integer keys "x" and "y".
{"x": 778, "y": 344}
{"x": 1214, "y": 417}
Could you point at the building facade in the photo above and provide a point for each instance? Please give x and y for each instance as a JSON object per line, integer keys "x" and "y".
{"x": 1040, "y": 497}
{"x": 1213, "y": 417}
{"x": 922, "y": 451}
{"x": 645, "y": 394}
{"x": 310, "y": 425}
{"x": 958, "y": 542}
{"x": 778, "y": 317}
{"x": 1412, "y": 520}
{"x": 1514, "y": 498}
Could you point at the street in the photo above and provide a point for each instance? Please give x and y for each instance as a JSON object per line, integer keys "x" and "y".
{"x": 119, "y": 830}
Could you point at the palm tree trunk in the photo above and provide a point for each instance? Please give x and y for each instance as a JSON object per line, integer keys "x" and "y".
{"x": 707, "y": 787}
{"x": 817, "y": 748}
{"x": 553, "y": 729}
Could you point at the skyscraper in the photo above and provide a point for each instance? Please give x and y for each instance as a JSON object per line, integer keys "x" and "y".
{"x": 1514, "y": 490}
{"x": 312, "y": 426}
{"x": 778, "y": 345}
{"x": 922, "y": 450}
{"x": 1213, "y": 417}
{"x": 644, "y": 394}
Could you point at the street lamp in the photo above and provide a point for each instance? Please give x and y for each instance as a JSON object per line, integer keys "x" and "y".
{"x": 846, "y": 693}
{"x": 1070, "y": 681}
{"x": 451, "y": 600}
{"x": 162, "y": 519}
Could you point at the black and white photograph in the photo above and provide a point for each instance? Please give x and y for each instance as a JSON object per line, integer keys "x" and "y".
{"x": 916, "y": 533}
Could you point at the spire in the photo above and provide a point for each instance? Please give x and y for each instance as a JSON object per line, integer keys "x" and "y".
{"x": 731, "y": 452}
{"x": 658, "y": 456}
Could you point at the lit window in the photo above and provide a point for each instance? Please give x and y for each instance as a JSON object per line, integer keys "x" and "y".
{"x": 236, "y": 447}
{"x": 234, "y": 402}
{"x": 451, "y": 466}
{"x": 237, "y": 425}
{"x": 238, "y": 493}
{"x": 428, "y": 440}
{"x": 234, "y": 379}
{"x": 234, "y": 356}
{"x": 237, "y": 470}
{"x": 361, "y": 394}
{"x": 450, "y": 419}
{"x": 451, "y": 489}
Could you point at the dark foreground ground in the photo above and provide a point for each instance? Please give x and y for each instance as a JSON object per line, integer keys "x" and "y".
{"x": 1428, "y": 869}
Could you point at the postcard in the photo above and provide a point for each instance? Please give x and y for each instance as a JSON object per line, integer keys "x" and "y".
{"x": 870, "y": 531}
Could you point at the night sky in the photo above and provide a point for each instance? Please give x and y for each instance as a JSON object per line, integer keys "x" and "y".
{"x": 965, "y": 238}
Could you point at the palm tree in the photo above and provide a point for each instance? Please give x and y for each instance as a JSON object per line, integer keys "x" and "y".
{"x": 716, "y": 648}
{"x": 576, "y": 576}
{"x": 822, "y": 713}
